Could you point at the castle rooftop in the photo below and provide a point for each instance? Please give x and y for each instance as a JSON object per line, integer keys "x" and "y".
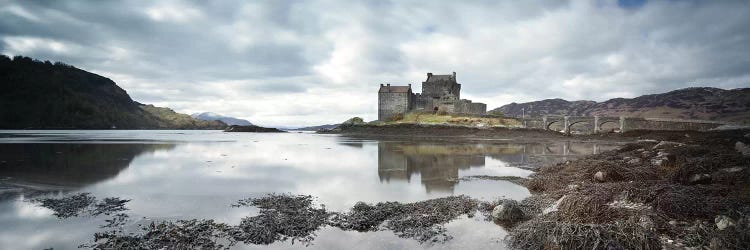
{"x": 394, "y": 89}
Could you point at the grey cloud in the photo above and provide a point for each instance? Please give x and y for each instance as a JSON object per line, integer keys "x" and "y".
{"x": 316, "y": 51}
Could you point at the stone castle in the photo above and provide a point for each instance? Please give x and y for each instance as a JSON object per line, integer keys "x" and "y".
{"x": 439, "y": 93}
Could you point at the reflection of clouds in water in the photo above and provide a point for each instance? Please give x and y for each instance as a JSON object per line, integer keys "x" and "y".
{"x": 182, "y": 182}
{"x": 23, "y": 227}
{"x": 28, "y": 210}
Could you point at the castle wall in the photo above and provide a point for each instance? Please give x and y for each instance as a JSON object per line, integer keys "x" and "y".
{"x": 477, "y": 109}
{"x": 392, "y": 103}
{"x": 467, "y": 107}
{"x": 447, "y": 107}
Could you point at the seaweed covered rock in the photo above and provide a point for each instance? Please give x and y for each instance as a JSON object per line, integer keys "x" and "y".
{"x": 668, "y": 198}
{"x": 77, "y": 204}
{"x": 507, "y": 211}
{"x": 546, "y": 233}
{"x": 281, "y": 217}
{"x": 423, "y": 221}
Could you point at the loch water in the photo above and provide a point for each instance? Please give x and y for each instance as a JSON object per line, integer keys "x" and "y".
{"x": 171, "y": 175}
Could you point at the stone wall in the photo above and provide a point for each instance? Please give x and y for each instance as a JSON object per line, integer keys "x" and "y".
{"x": 392, "y": 103}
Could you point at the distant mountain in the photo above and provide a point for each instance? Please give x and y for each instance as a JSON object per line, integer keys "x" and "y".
{"x": 316, "y": 128}
{"x": 210, "y": 116}
{"x": 690, "y": 103}
{"x": 43, "y": 95}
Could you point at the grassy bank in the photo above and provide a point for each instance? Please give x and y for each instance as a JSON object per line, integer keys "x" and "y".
{"x": 453, "y": 119}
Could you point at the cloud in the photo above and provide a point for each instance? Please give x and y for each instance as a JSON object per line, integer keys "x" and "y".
{"x": 317, "y": 62}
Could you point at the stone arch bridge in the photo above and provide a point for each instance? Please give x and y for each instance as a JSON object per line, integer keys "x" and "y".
{"x": 595, "y": 123}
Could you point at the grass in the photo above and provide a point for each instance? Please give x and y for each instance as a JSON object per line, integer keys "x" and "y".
{"x": 452, "y": 119}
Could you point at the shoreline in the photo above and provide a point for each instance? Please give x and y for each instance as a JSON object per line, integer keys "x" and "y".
{"x": 665, "y": 191}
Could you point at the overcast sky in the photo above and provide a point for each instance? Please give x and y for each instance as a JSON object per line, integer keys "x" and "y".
{"x": 315, "y": 62}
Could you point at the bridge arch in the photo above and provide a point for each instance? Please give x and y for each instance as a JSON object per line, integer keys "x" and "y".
{"x": 574, "y": 122}
{"x": 601, "y": 124}
{"x": 549, "y": 123}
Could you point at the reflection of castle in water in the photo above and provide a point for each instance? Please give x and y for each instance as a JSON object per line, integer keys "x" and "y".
{"x": 438, "y": 164}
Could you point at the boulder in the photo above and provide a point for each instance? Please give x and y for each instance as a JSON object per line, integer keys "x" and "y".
{"x": 700, "y": 179}
{"x": 508, "y": 211}
{"x": 661, "y": 158}
{"x": 722, "y": 222}
{"x": 742, "y": 148}
{"x": 600, "y": 176}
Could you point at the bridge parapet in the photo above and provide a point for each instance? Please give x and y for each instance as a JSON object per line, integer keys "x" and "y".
{"x": 595, "y": 123}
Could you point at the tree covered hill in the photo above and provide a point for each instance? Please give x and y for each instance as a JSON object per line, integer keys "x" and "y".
{"x": 45, "y": 95}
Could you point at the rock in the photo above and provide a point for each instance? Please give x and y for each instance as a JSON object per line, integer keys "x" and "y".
{"x": 667, "y": 144}
{"x": 732, "y": 170}
{"x": 673, "y": 223}
{"x": 742, "y": 148}
{"x": 553, "y": 207}
{"x": 700, "y": 179}
{"x": 508, "y": 211}
{"x": 634, "y": 161}
{"x": 600, "y": 176}
{"x": 353, "y": 121}
{"x": 660, "y": 159}
{"x": 574, "y": 187}
{"x": 722, "y": 222}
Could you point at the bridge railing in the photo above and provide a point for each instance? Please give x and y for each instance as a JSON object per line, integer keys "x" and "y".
{"x": 625, "y": 123}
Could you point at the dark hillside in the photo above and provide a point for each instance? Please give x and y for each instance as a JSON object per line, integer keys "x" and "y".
{"x": 45, "y": 95}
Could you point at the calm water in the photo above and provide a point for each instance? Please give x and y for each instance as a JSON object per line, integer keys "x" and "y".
{"x": 198, "y": 174}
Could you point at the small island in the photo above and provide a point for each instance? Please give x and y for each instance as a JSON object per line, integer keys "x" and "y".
{"x": 252, "y": 128}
